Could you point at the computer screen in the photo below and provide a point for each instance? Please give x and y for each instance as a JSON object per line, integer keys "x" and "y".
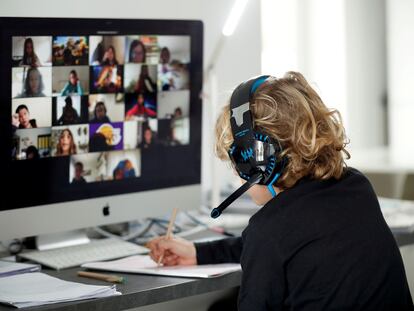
{"x": 96, "y": 109}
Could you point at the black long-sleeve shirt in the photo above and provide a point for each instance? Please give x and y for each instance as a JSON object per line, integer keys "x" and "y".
{"x": 321, "y": 245}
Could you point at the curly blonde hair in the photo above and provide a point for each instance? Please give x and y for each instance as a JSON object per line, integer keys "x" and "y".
{"x": 289, "y": 110}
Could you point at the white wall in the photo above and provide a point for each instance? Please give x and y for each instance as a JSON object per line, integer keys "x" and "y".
{"x": 239, "y": 60}
{"x": 280, "y": 36}
{"x": 366, "y": 74}
{"x": 339, "y": 45}
{"x": 400, "y": 30}
{"x": 322, "y": 50}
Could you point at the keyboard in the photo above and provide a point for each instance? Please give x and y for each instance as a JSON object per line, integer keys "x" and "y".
{"x": 73, "y": 256}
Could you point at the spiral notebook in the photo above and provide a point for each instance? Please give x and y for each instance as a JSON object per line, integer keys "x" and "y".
{"x": 145, "y": 265}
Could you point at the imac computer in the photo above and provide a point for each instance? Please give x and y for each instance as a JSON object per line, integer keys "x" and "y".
{"x": 100, "y": 121}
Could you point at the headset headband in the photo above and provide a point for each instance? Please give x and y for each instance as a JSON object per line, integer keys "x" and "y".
{"x": 241, "y": 118}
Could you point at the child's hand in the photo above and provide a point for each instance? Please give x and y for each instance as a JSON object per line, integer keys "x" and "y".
{"x": 176, "y": 251}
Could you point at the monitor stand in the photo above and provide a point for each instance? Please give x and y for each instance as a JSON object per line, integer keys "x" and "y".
{"x": 61, "y": 239}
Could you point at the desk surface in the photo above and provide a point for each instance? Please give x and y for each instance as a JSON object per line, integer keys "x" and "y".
{"x": 139, "y": 290}
{"x": 143, "y": 290}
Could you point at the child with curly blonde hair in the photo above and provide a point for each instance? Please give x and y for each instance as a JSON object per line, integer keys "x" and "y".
{"x": 320, "y": 241}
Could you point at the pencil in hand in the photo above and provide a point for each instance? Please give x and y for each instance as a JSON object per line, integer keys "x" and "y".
{"x": 169, "y": 232}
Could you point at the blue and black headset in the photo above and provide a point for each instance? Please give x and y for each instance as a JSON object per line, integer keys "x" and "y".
{"x": 255, "y": 155}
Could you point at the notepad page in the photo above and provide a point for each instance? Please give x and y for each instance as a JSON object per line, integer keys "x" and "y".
{"x": 144, "y": 264}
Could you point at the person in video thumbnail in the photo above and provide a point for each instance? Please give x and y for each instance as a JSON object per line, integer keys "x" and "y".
{"x": 66, "y": 145}
{"x": 148, "y": 139}
{"x": 29, "y": 56}
{"x": 145, "y": 83}
{"x": 69, "y": 114}
{"x": 141, "y": 108}
{"x": 123, "y": 170}
{"x": 68, "y": 58}
{"x": 24, "y": 118}
{"x": 100, "y": 113}
{"x": 78, "y": 178}
{"x": 106, "y": 83}
{"x": 175, "y": 77}
{"x": 73, "y": 86}
{"x": 137, "y": 52}
{"x": 175, "y": 120}
{"x": 32, "y": 153}
{"x": 109, "y": 58}
{"x": 165, "y": 56}
{"x": 33, "y": 84}
{"x": 178, "y": 113}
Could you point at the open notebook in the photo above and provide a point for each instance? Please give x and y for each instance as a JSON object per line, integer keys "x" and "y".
{"x": 144, "y": 264}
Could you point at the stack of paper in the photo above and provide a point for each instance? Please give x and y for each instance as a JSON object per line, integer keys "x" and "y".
{"x": 144, "y": 264}
{"x": 34, "y": 289}
{"x": 11, "y": 268}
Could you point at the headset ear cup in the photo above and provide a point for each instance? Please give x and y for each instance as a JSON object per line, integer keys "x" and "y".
{"x": 274, "y": 164}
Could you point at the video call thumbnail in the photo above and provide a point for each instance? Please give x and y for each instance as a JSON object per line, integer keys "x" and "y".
{"x": 31, "y": 144}
{"x": 174, "y": 48}
{"x": 174, "y": 132}
{"x": 106, "y": 108}
{"x": 173, "y": 71}
{"x": 69, "y": 51}
{"x": 140, "y": 78}
{"x": 70, "y": 80}
{"x": 31, "y": 82}
{"x": 174, "y": 112}
{"x": 32, "y": 51}
{"x": 124, "y": 164}
{"x": 106, "y": 136}
{"x": 173, "y": 77}
{"x": 106, "y": 79}
{"x": 132, "y": 134}
{"x": 107, "y": 50}
{"x": 103, "y": 166}
{"x": 68, "y": 110}
{"x": 68, "y": 140}
{"x": 141, "y": 49}
{"x": 173, "y": 104}
{"x": 139, "y": 106}
{"x": 31, "y": 112}
{"x": 149, "y": 139}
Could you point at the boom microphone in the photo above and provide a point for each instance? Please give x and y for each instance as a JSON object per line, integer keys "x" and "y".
{"x": 255, "y": 179}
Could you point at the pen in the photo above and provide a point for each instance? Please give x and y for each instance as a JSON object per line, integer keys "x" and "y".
{"x": 102, "y": 277}
{"x": 169, "y": 231}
